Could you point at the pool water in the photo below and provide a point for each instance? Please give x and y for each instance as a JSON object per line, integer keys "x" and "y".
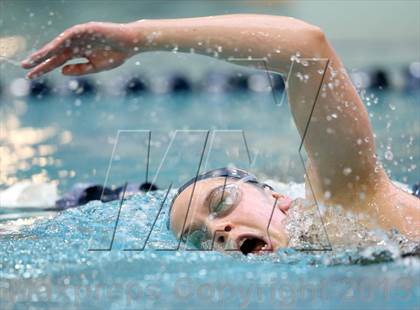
{"x": 71, "y": 139}
{"x": 65, "y": 259}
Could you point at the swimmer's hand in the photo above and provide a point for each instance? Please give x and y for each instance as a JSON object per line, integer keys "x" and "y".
{"x": 104, "y": 45}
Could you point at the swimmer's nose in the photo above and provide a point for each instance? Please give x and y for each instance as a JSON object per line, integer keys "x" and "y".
{"x": 282, "y": 202}
{"x": 224, "y": 237}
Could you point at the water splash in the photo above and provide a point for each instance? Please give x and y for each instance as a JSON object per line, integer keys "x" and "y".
{"x": 346, "y": 232}
{"x": 51, "y": 255}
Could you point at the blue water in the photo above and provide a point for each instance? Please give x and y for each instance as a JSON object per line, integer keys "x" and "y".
{"x": 47, "y": 263}
{"x": 70, "y": 140}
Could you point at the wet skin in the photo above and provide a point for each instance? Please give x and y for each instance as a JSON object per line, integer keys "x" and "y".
{"x": 230, "y": 212}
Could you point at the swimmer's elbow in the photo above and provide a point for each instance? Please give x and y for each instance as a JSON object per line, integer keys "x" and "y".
{"x": 316, "y": 41}
{"x": 309, "y": 39}
{"x": 317, "y": 34}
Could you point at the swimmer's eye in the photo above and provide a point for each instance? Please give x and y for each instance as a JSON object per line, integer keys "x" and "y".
{"x": 223, "y": 199}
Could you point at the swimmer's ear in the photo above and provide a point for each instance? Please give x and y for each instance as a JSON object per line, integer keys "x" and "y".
{"x": 283, "y": 202}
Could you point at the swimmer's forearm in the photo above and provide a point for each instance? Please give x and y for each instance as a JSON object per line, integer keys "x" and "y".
{"x": 273, "y": 38}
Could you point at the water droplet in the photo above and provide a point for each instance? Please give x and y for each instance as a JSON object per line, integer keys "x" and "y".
{"x": 330, "y": 131}
{"x": 389, "y": 155}
{"x": 347, "y": 171}
{"x": 73, "y": 84}
{"x": 77, "y": 102}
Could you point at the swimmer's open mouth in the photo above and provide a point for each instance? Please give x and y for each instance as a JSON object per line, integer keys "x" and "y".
{"x": 252, "y": 244}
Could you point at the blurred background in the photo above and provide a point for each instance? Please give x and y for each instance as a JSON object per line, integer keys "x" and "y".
{"x": 64, "y": 130}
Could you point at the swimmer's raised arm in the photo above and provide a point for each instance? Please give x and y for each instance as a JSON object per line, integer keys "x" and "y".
{"x": 339, "y": 140}
{"x": 108, "y": 45}
{"x": 275, "y": 38}
{"x": 338, "y": 123}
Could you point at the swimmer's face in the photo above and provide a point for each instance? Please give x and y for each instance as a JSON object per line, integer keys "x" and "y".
{"x": 228, "y": 215}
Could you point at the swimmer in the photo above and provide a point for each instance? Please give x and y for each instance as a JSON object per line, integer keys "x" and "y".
{"x": 230, "y": 204}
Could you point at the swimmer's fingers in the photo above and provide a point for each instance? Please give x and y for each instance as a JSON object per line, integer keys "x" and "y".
{"x": 79, "y": 69}
{"x": 48, "y": 65}
{"x": 95, "y": 64}
{"x": 43, "y": 54}
{"x": 63, "y": 41}
{"x": 84, "y": 68}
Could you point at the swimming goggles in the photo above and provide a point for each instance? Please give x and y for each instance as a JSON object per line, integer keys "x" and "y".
{"x": 233, "y": 173}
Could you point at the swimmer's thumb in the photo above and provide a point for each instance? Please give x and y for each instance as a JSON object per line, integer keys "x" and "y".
{"x": 79, "y": 69}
